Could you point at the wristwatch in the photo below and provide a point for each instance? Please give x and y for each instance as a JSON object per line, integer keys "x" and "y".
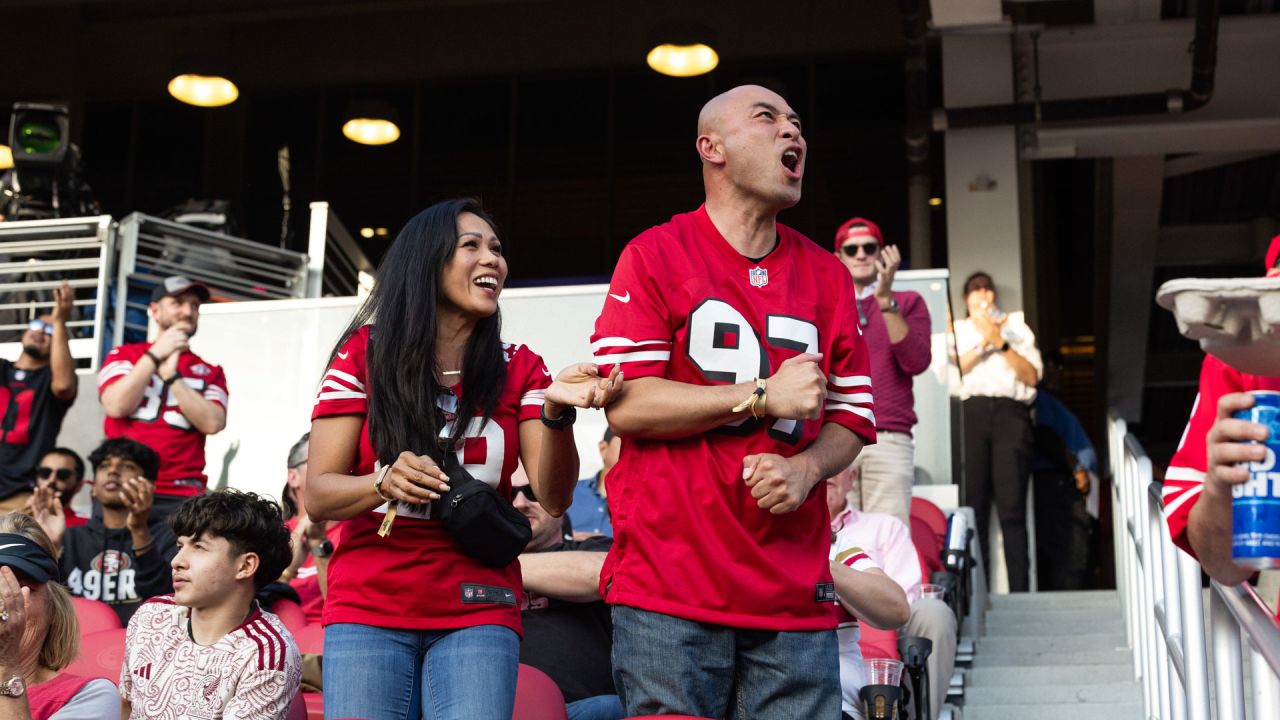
{"x": 566, "y": 418}
{"x": 322, "y": 550}
{"x": 892, "y": 307}
{"x": 177, "y": 375}
{"x": 14, "y": 688}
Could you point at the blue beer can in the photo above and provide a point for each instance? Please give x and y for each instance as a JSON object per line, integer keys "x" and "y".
{"x": 1255, "y": 533}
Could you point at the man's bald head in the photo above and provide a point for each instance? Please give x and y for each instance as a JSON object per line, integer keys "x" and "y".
{"x": 711, "y": 118}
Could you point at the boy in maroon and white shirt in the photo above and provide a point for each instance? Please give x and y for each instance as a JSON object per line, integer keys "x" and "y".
{"x": 747, "y": 385}
{"x": 208, "y": 650}
{"x": 165, "y": 396}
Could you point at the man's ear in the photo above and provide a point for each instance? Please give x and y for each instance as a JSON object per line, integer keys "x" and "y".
{"x": 247, "y": 565}
{"x": 711, "y": 149}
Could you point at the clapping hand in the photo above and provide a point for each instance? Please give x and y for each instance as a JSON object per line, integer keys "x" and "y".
{"x": 580, "y": 385}
{"x": 138, "y": 498}
{"x": 46, "y": 508}
{"x": 63, "y": 302}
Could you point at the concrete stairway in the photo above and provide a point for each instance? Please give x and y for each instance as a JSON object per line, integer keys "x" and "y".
{"x": 1053, "y": 656}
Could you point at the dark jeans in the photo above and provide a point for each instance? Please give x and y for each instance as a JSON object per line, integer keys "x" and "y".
{"x": 997, "y": 461}
{"x": 669, "y": 665}
{"x": 1064, "y": 530}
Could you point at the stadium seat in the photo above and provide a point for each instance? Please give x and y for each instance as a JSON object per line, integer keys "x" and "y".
{"x": 933, "y": 516}
{"x": 315, "y": 705}
{"x": 310, "y": 639}
{"x": 94, "y": 616}
{"x": 537, "y": 697}
{"x": 927, "y": 546}
{"x": 290, "y": 613}
{"x": 101, "y": 655}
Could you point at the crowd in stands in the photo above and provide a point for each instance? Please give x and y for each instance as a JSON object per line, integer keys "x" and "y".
{"x": 753, "y": 509}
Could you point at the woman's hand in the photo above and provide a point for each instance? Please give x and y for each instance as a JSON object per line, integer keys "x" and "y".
{"x": 46, "y": 508}
{"x": 415, "y": 479}
{"x": 13, "y": 619}
{"x": 580, "y": 385}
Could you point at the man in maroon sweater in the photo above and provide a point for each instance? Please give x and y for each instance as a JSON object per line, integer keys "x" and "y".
{"x": 895, "y": 326}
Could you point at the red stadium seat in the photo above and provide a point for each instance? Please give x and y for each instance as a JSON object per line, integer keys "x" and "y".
{"x": 315, "y": 705}
{"x": 933, "y": 516}
{"x": 927, "y": 545}
{"x": 537, "y": 697}
{"x": 876, "y": 643}
{"x": 290, "y": 613}
{"x": 94, "y": 616}
{"x": 310, "y": 639}
{"x": 101, "y": 655}
{"x": 297, "y": 708}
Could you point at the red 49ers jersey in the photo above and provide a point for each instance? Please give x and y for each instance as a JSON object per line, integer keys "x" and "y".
{"x": 689, "y": 539}
{"x": 1184, "y": 480}
{"x": 158, "y": 422}
{"x": 417, "y": 578}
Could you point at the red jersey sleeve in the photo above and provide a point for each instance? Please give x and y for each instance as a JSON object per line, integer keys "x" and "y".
{"x": 849, "y": 401}
{"x": 1184, "y": 479}
{"x": 215, "y": 390}
{"x": 530, "y": 374}
{"x": 118, "y": 363}
{"x": 343, "y": 389}
{"x": 633, "y": 329}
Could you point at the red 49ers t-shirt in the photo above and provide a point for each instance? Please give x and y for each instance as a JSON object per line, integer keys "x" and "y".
{"x": 689, "y": 539}
{"x": 417, "y": 578}
{"x": 158, "y": 422}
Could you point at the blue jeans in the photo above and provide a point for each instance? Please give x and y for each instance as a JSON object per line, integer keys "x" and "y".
{"x": 385, "y": 674}
{"x": 669, "y": 665}
{"x": 600, "y": 707}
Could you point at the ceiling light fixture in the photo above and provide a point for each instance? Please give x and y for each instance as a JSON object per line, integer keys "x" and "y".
{"x": 682, "y": 49}
{"x": 371, "y": 123}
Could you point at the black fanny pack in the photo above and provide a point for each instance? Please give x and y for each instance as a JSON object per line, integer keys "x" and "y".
{"x": 483, "y": 523}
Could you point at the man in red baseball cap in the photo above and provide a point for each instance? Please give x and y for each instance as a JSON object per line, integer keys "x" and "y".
{"x": 165, "y": 396}
{"x": 895, "y": 326}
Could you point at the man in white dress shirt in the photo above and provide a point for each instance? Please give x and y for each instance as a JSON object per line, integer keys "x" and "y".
{"x": 999, "y": 369}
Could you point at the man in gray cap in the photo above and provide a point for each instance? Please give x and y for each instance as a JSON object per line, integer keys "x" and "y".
{"x": 165, "y": 396}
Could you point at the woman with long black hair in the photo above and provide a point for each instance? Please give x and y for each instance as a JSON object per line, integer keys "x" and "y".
{"x": 415, "y": 625}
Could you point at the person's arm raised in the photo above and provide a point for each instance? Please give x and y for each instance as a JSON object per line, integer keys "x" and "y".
{"x": 62, "y": 365}
{"x": 658, "y": 408}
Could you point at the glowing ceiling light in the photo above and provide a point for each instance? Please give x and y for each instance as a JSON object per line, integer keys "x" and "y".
{"x": 683, "y": 60}
{"x": 203, "y": 90}
{"x": 366, "y": 232}
{"x": 371, "y": 131}
{"x": 935, "y": 201}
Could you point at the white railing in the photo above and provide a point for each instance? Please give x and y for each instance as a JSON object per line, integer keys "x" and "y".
{"x": 37, "y": 256}
{"x": 338, "y": 266}
{"x": 1164, "y": 611}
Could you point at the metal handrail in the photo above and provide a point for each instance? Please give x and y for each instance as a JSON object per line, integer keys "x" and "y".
{"x": 336, "y": 260}
{"x": 1164, "y": 608}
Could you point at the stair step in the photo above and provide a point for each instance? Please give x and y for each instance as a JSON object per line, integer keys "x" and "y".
{"x": 1019, "y": 676}
{"x": 1115, "y": 692}
{"x": 1044, "y": 643}
{"x": 1115, "y": 658}
{"x": 1054, "y": 624}
{"x": 1063, "y": 599}
{"x": 1039, "y": 711}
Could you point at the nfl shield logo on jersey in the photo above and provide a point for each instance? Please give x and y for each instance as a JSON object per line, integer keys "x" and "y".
{"x": 759, "y": 276}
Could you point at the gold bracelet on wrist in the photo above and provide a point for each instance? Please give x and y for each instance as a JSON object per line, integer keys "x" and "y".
{"x": 377, "y": 482}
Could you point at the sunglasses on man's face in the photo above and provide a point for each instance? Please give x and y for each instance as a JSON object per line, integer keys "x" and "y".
{"x": 868, "y": 249}
{"x": 526, "y": 491}
{"x": 40, "y": 326}
{"x": 63, "y": 474}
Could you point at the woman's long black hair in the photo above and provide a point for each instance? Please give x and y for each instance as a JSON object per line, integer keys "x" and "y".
{"x": 401, "y": 357}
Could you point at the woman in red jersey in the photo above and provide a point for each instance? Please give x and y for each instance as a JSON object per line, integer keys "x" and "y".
{"x": 414, "y": 625}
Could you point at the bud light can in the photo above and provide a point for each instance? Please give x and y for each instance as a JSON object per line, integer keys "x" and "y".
{"x": 1255, "y": 534}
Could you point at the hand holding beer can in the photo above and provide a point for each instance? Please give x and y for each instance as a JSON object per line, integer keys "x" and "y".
{"x": 1255, "y": 532}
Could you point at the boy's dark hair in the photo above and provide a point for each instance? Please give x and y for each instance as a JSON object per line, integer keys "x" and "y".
{"x": 75, "y": 458}
{"x": 144, "y": 456}
{"x": 248, "y": 521}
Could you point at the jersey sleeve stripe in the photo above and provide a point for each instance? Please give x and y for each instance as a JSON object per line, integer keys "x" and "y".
{"x": 216, "y": 394}
{"x": 1171, "y": 506}
{"x": 620, "y": 358}
{"x": 278, "y": 643}
{"x": 348, "y": 378}
{"x": 341, "y": 396}
{"x": 849, "y": 397}
{"x": 248, "y": 631}
{"x": 621, "y": 342}
{"x": 115, "y": 369}
{"x": 860, "y": 411}
{"x": 1184, "y": 473}
{"x": 849, "y": 381}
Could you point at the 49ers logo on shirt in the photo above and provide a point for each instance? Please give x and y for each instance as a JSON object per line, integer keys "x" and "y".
{"x": 110, "y": 578}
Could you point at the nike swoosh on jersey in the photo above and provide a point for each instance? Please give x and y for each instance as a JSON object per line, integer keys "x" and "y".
{"x": 622, "y": 298}
{"x": 343, "y": 355}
